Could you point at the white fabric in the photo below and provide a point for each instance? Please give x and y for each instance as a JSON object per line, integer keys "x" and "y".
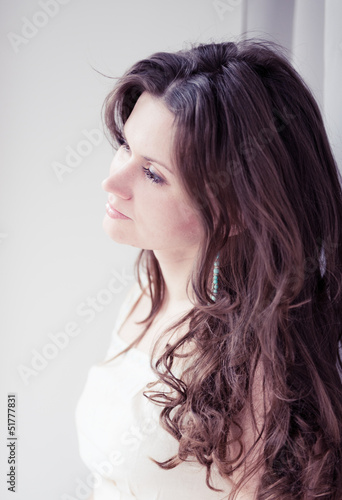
{"x": 118, "y": 428}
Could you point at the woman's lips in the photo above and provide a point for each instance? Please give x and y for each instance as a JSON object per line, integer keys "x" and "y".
{"x": 114, "y": 214}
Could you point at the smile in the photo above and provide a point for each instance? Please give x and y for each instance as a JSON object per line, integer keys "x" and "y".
{"x": 114, "y": 214}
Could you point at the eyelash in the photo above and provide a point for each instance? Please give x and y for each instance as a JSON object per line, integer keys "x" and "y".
{"x": 150, "y": 175}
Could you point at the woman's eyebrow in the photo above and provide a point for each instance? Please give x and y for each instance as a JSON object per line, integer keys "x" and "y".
{"x": 159, "y": 163}
{"x": 148, "y": 158}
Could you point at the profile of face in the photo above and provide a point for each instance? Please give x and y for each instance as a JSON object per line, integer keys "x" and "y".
{"x": 147, "y": 206}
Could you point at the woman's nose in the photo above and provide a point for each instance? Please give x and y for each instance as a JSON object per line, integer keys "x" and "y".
{"x": 119, "y": 182}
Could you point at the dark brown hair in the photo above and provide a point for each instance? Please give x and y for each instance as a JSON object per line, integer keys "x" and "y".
{"x": 250, "y": 136}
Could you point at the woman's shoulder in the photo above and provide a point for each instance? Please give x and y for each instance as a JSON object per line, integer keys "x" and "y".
{"x": 131, "y": 294}
{"x": 130, "y": 297}
{"x": 129, "y": 300}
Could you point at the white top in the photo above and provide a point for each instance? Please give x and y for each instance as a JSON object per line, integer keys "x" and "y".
{"x": 118, "y": 429}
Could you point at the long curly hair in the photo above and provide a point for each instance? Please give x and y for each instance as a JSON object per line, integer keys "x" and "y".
{"x": 253, "y": 154}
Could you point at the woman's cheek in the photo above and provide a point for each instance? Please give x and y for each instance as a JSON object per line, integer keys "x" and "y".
{"x": 192, "y": 223}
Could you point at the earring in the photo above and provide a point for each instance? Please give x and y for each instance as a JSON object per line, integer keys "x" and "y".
{"x": 215, "y": 278}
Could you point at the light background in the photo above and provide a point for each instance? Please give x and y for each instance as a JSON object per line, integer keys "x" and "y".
{"x": 54, "y": 254}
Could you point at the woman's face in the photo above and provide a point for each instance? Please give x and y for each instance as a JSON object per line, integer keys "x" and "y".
{"x": 144, "y": 187}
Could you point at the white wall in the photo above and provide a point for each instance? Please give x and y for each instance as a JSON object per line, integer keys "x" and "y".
{"x": 53, "y": 252}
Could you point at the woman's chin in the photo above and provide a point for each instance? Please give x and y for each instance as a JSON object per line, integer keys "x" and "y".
{"x": 115, "y": 233}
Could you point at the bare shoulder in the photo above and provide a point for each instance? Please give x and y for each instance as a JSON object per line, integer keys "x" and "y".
{"x": 137, "y": 304}
{"x": 133, "y": 327}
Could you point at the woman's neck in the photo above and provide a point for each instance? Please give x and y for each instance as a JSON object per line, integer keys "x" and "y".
{"x": 176, "y": 268}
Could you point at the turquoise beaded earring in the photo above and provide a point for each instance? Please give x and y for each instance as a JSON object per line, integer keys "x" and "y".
{"x": 215, "y": 278}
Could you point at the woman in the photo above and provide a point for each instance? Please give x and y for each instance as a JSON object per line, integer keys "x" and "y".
{"x": 222, "y": 379}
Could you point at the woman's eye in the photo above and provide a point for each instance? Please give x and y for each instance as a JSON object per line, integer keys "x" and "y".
{"x": 153, "y": 177}
{"x": 147, "y": 170}
{"x": 125, "y": 146}
{"x": 122, "y": 145}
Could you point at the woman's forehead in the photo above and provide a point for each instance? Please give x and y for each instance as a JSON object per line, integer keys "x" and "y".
{"x": 150, "y": 129}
